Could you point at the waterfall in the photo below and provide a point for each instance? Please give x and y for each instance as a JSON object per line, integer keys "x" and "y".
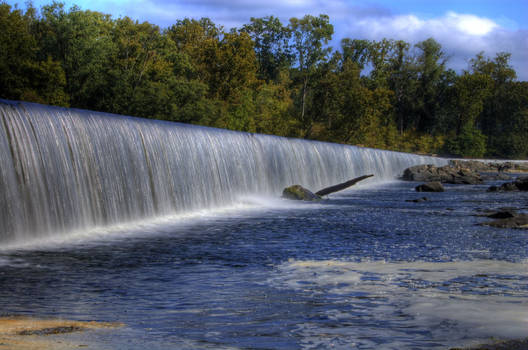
{"x": 67, "y": 169}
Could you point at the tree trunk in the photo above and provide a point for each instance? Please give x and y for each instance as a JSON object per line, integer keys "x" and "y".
{"x": 341, "y": 186}
{"x": 305, "y": 85}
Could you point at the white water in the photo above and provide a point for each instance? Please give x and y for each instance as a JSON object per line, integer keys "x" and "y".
{"x": 65, "y": 170}
{"x": 439, "y": 296}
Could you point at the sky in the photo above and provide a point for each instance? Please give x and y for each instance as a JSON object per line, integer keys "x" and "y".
{"x": 463, "y": 27}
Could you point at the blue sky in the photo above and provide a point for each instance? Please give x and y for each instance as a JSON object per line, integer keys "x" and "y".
{"x": 463, "y": 27}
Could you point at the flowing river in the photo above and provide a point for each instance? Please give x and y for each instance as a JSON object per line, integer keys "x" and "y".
{"x": 179, "y": 232}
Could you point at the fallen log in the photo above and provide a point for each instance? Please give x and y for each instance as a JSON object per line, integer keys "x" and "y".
{"x": 341, "y": 186}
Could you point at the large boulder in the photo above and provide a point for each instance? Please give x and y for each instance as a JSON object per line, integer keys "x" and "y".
{"x": 297, "y": 192}
{"x": 434, "y": 186}
{"x": 445, "y": 174}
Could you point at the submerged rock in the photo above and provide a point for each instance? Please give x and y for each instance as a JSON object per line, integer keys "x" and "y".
{"x": 517, "y": 221}
{"x": 433, "y": 186}
{"x": 500, "y": 213}
{"x": 417, "y": 200}
{"x": 297, "y": 192}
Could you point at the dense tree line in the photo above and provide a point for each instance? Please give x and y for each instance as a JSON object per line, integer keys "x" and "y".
{"x": 266, "y": 77}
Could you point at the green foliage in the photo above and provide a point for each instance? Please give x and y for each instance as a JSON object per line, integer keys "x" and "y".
{"x": 266, "y": 77}
{"x": 356, "y": 51}
{"x": 470, "y": 142}
{"x": 310, "y": 35}
{"x": 272, "y": 48}
{"x": 22, "y": 74}
{"x": 273, "y": 103}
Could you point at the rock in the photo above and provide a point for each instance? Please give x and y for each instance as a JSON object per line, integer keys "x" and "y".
{"x": 501, "y": 214}
{"x": 510, "y": 186}
{"x": 418, "y": 172}
{"x": 518, "y": 221}
{"x": 520, "y": 184}
{"x": 467, "y": 172}
{"x": 474, "y": 165}
{"x": 19, "y": 332}
{"x": 493, "y": 188}
{"x": 514, "y": 344}
{"x": 480, "y": 166}
{"x": 297, "y": 192}
{"x": 445, "y": 174}
{"x": 417, "y": 200}
{"x": 500, "y": 176}
{"x": 434, "y": 186}
{"x": 513, "y": 167}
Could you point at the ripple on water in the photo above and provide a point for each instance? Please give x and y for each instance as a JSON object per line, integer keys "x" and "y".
{"x": 452, "y": 300}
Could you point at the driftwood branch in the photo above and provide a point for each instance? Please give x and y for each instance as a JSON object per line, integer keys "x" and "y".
{"x": 341, "y": 186}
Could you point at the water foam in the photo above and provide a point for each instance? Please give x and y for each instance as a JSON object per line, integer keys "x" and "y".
{"x": 452, "y": 302}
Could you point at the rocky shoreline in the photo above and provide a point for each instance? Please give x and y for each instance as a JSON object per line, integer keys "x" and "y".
{"x": 472, "y": 172}
{"x": 465, "y": 172}
{"x": 28, "y": 333}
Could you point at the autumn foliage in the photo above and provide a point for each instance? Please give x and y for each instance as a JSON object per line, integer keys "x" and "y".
{"x": 266, "y": 77}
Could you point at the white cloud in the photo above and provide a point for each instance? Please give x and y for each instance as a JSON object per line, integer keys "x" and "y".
{"x": 449, "y": 25}
{"x": 462, "y": 36}
{"x": 470, "y": 24}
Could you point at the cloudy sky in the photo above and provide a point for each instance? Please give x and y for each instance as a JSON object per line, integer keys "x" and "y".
{"x": 463, "y": 27}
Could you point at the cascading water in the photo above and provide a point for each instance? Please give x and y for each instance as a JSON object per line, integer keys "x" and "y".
{"x": 67, "y": 169}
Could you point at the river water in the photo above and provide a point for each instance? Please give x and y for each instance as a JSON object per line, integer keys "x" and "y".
{"x": 362, "y": 270}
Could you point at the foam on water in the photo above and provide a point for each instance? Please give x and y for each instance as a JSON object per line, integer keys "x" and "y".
{"x": 451, "y": 301}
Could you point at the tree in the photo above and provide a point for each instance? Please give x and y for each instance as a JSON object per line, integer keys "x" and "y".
{"x": 430, "y": 65}
{"x": 271, "y": 40}
{"x": 81, "y": 42}
{"x": 310, "y": 35}
{"x": 380, "y": 54}
{"x": 467, "y": 102}
{"x": 273, "y": 108}
{"x": 17, "y": 46}
{"x": 22, "y": 74}
{"x": 402, "y": 81}
{"x": 357, "y": 51}
{"x": 347, "y": 110}
{"x": 504, "y": 103}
